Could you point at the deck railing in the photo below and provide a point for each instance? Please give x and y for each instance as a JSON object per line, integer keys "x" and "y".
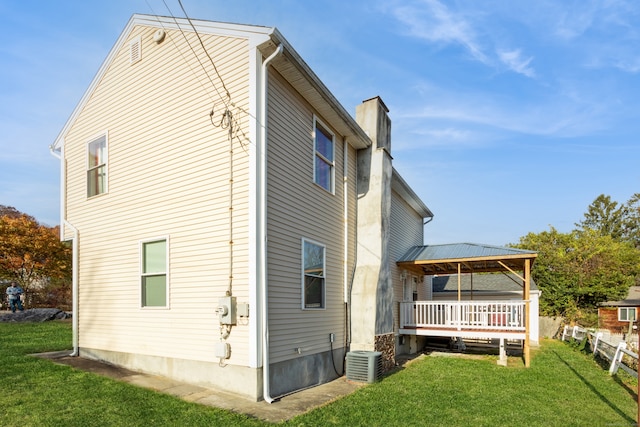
{"x": 486, "y": 315}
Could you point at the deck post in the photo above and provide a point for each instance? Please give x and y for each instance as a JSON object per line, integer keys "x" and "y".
{"x": 503, "y": 354}
{"x": 527, "y": 303}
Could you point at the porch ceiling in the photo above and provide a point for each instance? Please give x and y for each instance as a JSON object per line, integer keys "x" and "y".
{"x": 464, "y": 258}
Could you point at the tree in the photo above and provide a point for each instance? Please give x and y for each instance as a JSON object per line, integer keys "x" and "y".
{"x": 632, "y": 221}
{"x": 578, "y": 270}
{"x": 605, "y": 216}
{"x": 12, "y": 212}
{"x": 31, "y": 253}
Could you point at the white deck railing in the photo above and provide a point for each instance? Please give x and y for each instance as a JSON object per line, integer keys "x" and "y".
{"x": 488, "y": 315}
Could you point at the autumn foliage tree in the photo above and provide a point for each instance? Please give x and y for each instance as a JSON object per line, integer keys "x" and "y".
{"x": 32, "y": 254}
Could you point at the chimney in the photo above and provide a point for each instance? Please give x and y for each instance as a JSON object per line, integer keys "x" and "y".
{"x": 372, "y": 290}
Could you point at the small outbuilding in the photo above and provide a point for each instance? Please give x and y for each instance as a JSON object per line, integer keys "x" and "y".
{"x": 618, "y": 316}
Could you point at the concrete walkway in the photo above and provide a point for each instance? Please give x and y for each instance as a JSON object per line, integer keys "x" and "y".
{"x": 285, "y": 408}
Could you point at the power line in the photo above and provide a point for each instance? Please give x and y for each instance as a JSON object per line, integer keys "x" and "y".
{"x": 175, "y": 45}
{"x": 228, "y": 120}
{"x": 205, "y": 50}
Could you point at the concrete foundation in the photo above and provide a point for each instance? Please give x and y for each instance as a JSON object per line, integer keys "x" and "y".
{"x": 306, "y": 371}
{"x": 240, "y": 380}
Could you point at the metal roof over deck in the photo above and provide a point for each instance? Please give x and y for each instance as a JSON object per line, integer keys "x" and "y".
{"x": 464, "y": 258}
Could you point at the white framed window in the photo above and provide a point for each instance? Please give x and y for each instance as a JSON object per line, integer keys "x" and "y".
{"x": 313, "y": 275}
{"x": 627, "y": 314}
{"x": 97, "y": 166}
{"x": 323, "y": 158}
{"x": 154, "y": 281}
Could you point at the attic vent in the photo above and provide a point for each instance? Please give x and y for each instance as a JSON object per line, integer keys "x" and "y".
{"x": 135, "y": 50}
{"x": 364, "y": 366}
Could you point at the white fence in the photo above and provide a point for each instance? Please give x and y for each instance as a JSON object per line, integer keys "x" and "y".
{"x": 613, "y": 352}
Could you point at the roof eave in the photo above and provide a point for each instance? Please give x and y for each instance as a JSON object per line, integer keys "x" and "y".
{"x": 400, "y": 186}
{"x": 296, "y": 71}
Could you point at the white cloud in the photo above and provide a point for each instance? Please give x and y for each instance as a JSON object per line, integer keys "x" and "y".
{"x": 432, "y": 21}
{"x": 514, "y": 61}
{"x": 473, "y": 118}
{"x": 574, "y": 22}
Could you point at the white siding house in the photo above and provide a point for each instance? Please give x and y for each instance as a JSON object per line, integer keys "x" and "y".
{"x": 214, "y": 191}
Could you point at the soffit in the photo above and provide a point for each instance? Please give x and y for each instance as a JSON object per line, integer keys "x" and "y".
{"x": 293, "y": 68}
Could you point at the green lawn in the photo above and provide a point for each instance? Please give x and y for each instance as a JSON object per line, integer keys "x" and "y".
{"x": 563, "y": 387}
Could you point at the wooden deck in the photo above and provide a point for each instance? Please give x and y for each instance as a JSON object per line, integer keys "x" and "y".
{"x": 465, "y": 319}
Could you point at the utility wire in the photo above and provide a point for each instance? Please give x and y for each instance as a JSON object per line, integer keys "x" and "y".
{"x": 175, "y": 45}
{"x": 228, "y": 119}
{"x": 205, "y": 51}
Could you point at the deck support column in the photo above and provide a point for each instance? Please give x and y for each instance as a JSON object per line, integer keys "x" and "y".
{"x": 527, "y": 310}
{"x": 503, "y": 353}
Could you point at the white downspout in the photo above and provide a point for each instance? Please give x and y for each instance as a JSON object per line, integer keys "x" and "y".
{"x": 262, "y": 153}
{"x": 74, "y": 289}
{"x": 345, "y": 203}
{"x": 74, "y": 250}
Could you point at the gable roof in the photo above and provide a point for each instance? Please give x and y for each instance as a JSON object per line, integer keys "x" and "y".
{"x": 469, "y": 257}
{"x": 266, "y": 39}
{"x": 632, "y": 299}
{"x": 481, "y": 283}
{"x": 400, "y": 186}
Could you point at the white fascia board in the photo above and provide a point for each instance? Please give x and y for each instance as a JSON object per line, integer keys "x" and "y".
{"x": 251, "y": 32}
{"x": 59, "y": 141}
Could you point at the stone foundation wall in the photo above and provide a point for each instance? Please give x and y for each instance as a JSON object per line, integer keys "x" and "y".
{"x": 386, "y": 344}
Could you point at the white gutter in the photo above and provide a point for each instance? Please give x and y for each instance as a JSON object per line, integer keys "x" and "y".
{"x": 262, "y": 234}
{"x": 74, "y": 250}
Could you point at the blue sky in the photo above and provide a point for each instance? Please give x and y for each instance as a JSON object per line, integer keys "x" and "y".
{"x": 507, "y": 117}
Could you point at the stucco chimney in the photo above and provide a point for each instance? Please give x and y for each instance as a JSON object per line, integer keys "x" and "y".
{"x": 372, "y": 290}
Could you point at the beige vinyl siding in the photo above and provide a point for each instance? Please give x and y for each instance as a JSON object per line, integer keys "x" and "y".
{"x": 168, "y": 177}
{"x": 299, "y": 209}
{"x": 406, "y": 231}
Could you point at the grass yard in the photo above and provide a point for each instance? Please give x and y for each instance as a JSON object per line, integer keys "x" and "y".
{"x": 563, "y": 387}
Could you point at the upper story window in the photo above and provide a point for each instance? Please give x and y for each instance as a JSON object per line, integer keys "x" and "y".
{"x": 154, "y": 261}
{"x": 324, "y": 148}
{"x": 97, "y": 166}
{"x": 627, "y": 314}
{"x": 313, "y": 284}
